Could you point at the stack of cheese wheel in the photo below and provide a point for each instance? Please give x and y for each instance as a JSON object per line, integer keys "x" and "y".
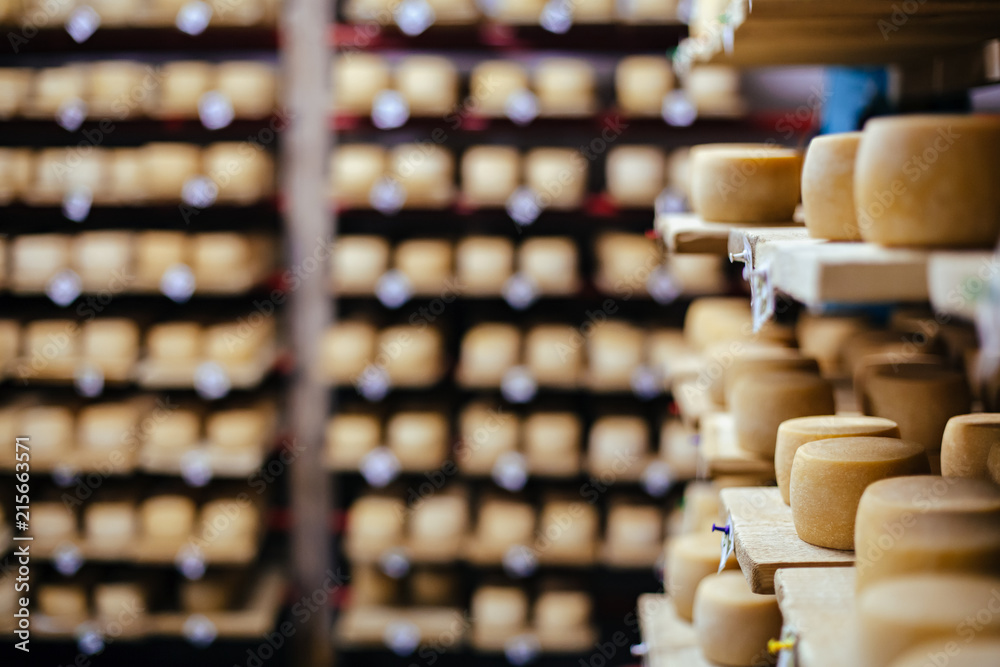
{"x": 618, "y": 447}
{"x": 691, "y": 558}
{"x": 552, "y": 442}
{"x": 753, "y": 359}
{"x": 504, "y": 524}
{"x": 59, "y": 172}
{"x": 349, "y": 438}
{"x": 373, "y": 526}
{"x": 487, "y": 352}
{"x": 486, "y": 433}
{"x": 567, "y": 531}
{"x": 732, "y": 623}
{"x": 641, "y": 83}
{"x": 166, "y": 167}
{"x": 553, "y": 355}
{"x": 229, "y": 525}
{"x": 745, "y": 182}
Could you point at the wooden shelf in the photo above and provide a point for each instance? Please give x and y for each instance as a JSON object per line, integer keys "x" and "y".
{"x": 688, "y": 233}
{"x": 368, "y": 626}
{"x": 765, "y": 538}
{"x": 958, "y": 280}
{"x": 720, "y": 455}
{"x": 669, "y": 640}
{"x": 818, "y": 603}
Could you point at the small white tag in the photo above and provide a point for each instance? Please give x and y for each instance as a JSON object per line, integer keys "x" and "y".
{"x": 64, "y": 287}
{"x": 190, "y": 562}
{"x": 76, "y": 204}
{"x": 199, "y": 191}
{"x": 82, "y": 23}
{"x": 194, "y": 17}
{"x": 199, "y": 630}
{"x": 211, "y": 381}
{"x": 414, "y": 17}
{"x": 389, "y": 110}
{"x": 67, "y": 559}
{"x": 520, "y": 291}
{"x": 663, "y": 286}
{"x": 401, "y": 637}
{"x": 88, "y": 380}
{"x": 519, "y": 562}
{"x": 678, "y": 110}
{"x": 379, "y": 467}
{"x": 521, "y": 107}
{"x": 71, "y": 114}
{"x": 387, "y": 196}
{"x": 177, "y": 283}
{"x": 393, "y": 289}
{"x": 89, "y": 639}
{"x": 518, "y": 385}
{"x": 196, "y": 468}
{"x": 657, "y": 478}
{"x": 215, "y": 110}
{"x": 523, "y": 207}
{"x": 510, "y": 472}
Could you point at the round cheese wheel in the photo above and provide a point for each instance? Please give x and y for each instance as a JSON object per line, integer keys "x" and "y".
{"x": 505, "y": 522}
{"x": 552, "y": 441}
{"x": 679, "y": 170}
{"x": 348, "y": 347}
{"x": 103, "y": 260}
{"x": 120, "y": 89}
{"x": 897, "y": 614}
{"x": 483, "y": 264}
{"x": 485, "y": 434}
{"x": 109, "y": 523}
{"x": 358, "y": 262}
{"x": 419, "y": 361}
{"x": 794, "y": 433}
{"x": 51, "y": 521}
{"x": 429, "y": 84}
{"x": 229, "y": 343}
{"x": 829, "y": 476}
{"x": 562, "y": 610}
{"x": 105, "y": 426}
{"x": 350, "y": 436}
{"x": 517, "y": 12}
{"x": 634, "y": 526}
{"x": 118, "y": 13}
{"x": 241, "y": 176}
{"x": 641, "y": 82}
{"x": 761, "y": 402}
{"x": 926, "y": 180}
{"x": 55, "y": 86}
{"x": 617, "y": 444}
{"x": 112, "y": 599}
{"x": 16, "y": 169}
{"x": 691, "y": 558}
{"x": 488, "y": 351}
{"x": 490, "y": 174}
{"x": 733, "y": 624}
{"x": 250, "y": 86}
{"x": 439, "y": 517}
{"x": 228, "y": 520}
{"x": 426, "y": 263}
{"x": 111, "y": 342}
{"x": 567, "y": 525}
{"x": 910, "y": 525}
{"x": 218, "y": 257}
{"x": 720, "y": 356}
{"x": 238, "y": 428}
{"x": 492, "y": 82}
{"x": 434, "y": 588}
{"x": 175, "y": 341}
{"x": 165, "y": 168}
{"x": 50, "y": 428}
{"x": 155, "y": 252}
{"x": 972, "y": 652}
{"x": 828, "y": 187}
{"x": 551, "y": 263}
{"x": 357, "y": 78}
{"x": 697, "y": 275}
{"x": 15, "y": 88}
{"x": 966, "y": 444}
{"x": 554, "y": 355}
{"x": 354, "y": 170}
{"x": 593, "y": 11}
{"x": 614, "y": 351}
{"x": 565, "y": 87}
{"x": 714, "y": 89}
{"x": 499, "y": 607}
{"x": 209, "y": 594}
{"x": 36, "y": 258}
{"x": 625, "y": 261}
{"x": 823, "y": 337}
{"x": 426, "y": 173}
{"x": 60, "y": 171}
{"x": 375, "y": 522}
{"x": 720, "y": 319}
{"x": 167, "y": 517}
{"x": 734, "y": 183}
{"x": 180, "y": 430}
{"x": 182, "y": 83}
{"x": 55, "y": 340}
{"x": 68, "y": 600}
{"x": 418, "y": 439}
{"x": 758, "y": 360}
{"x": 558, "y": 176}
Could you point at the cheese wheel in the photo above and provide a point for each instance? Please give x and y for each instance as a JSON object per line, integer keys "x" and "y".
{"x": 174, "y": 342}
{"x": 60, "y": 171}
{"x": 550, "y": 263}
{"x": 62, "y": 600}
{"x": 244, "y": 13}
{"x": 554, "y": 355}
{"x": 429, "y": 84}
{"x": 966, "y": 445}
{"x": 760, "y": 403}
{"x": 50, "y": 428}
{"x": 567, "y": 526}
{"x": 679, "y": 448}
{"x": 557, "y": 611}
{"x": 993, "y": 464}
{"x": 719, "y": 358}
{"x": 910, "y": 525}
{"x": 117, "y": 13}
{"x": 634, "y": 526}
{"x": 898, "y": 346}
{"x": 492, "y": 82}
{"x": 179, "y": 430}
{"x": 617, "y": 445}
{"x": 558, "y": 176}
{"x": 897, "y": 614}
{"x": 696, "y": 274}
{"x": 426, "y": 174}
{"x": 113, "y": 601}
{"x": 593, "y": 11}
{"x": 242, "y": 176}
{"x": 230, "y": 343}
{"x": 348, "y": 347}
{"x": 112, "y": 344}
{"x": 165, "y": 168}
{"x": 419, "y": 361}
{"x": 504, "y": 523}
{"x": 828, "y": 187}
{"x": 921, "y": 398}
{"x": 647, "y": 11}
{"x": 679, "y": 171}
{"x": 55, "y": 341}
{"x": 499, "y": 607}
{"x": 182, "y": 83}
{"x": 485, "y": 434}
{"x": 426, "y": 263}
{"x": 10, "y": 332}
{"x": 110, "y": 523}
{"x": 614, "y": 352}
{"x": 15, "y": 87}
{"x": 213, "y": 593}
{"x": 36, "y": 258}
{"x": 641, "y": 82}
{"x": 349, "y": 437}
{"x": 794, "y": 433}
{"x": 358, "y": 262}
{"x": 488, "y": 351}
{"x": 691, "y": 558}
{"x": 720, "y": 319}
{"x": 106, "y": 426}
{"x": 733, "y": 624}
{"x": 238, "y": 429}
{"x": 16, "y": 169}
{"x": 565, "y": 87}
{"x": 56, "y": 86}
{"x": 972, "y": 652}
{"x": 418, "y": 439}
{"x": 490, "y": 174}
{"x": 829, "y": 476}
{"x": 51, "y": 521}
{"x": 758, "y": 360}
{"x": 714, "y": 89}
{"x": 103, "y": 260}
{"x": 167, "y": 517}
{"x": 483, "y": 264}
{"x": 823, "y": 338}
{"x": 625, "y": 262}
{"x": 552, "y": 442}
{"x": 434, "y": 588}
{"x": 926, "y": 180}
{"x": 374, "y": 522}
{"x": 228, "y": 520}
{"x": 223, "y": 260}
{"x": 733, "y": 183}
{"x": 155, "y": 252}
{"x": 357, "y": 78}
{"x": 250, "y": 86}
{"x": 120, "y": 89}
{"x": 439, "y": 517}
{"x": 354, "y": 171}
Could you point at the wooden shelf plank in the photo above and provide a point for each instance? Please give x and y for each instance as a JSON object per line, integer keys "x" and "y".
{"x": 688, "y": 233}
{"x": 669, "y": 640}
{"x": 957, "y": 280}
{"x": 818, "y": 603}
{"x": 765, "y": 537}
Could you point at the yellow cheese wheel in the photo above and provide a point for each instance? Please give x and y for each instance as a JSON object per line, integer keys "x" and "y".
{"x": 439, "y": 517}
{"x": 551, "y": 263}
{"x": 490, "y": 174}
{"x": 374, "y": 522}
{"x": 358, "y": 262}
{"x": 426, "y": 263}
{"x": 113, "y": 600}
{"x": 66, "y": 600}
{"x": 155, "y": 252}
{"x": 250, "y": 86}
{"x": 634, "y": 526}
{"x": 175, "y": 341}
{"x": 485, "y": 434}
{"x": 106, "y": 426}
{"x": 492, "y": 82}
{"x": 10, "y": 332}
{"x": 16, "y": 169}
{"x": 499, "y": 607}
{"x": 927, "y": 180}
{"x": 483, "y": 264}
{"x": 103, "y": 260}
{"x": 118, "y": 13}
{"x": 910, "y": 525}
{"x": 237, "y": 429}
{"x": 349, "y": 437}
{"x": 625, "y": 262}
{"x": 553, "y": 355}
{"x": 488, "y": 351}
{"x": 702, "y": 507}
{"x": 112, "y": 344}
{"x": 823, "y": 338}
{"x": 15, "y": 87}
{"x": 429, "y": 84}
{"x": 761, "y": 402}
{"x": 167, "y": 517}
{"x": 120, "y": 89}
{"x": 794, "y": 433}
{"x": 617, "y": 445}
{"x": 357, "y": 78}
{"x": 52, "y": 521}
{"x": 565, "y": 87}
{"x": 221, "y": 260}
{"x": 179, "y": 431}
{"x": 562, "y": 610}
{"x": 348, "y": 347}
{"x": 641, "y": 82}
{"x": 971, "y": 652}
{"x": 418, "y": 439}
{"x": 966, "y": 444}
{"x": 60, "y": 171}
{"x": 354, "y": 170}
{"x": 829, "y": 476}
{"x": 54, "y": 340}
{"x": 50, "y": 428}
{"x": 733, "y": 624}
{"x": 899, "y": 346}
{"x": 828, "y": 187}
{"x": 228, "y": 520}
{"x": 635, "y": 175}
{"x": 614, "y": 352}
{"x": 757, "y": 360}
{"x": 419, "y": 359}
{"x": 552, "y": 442}
{"x": 567, "y": 526}
{"x": 230, "y": 343}
{"x": 165, "y": 168}
{"x": 696, "y": 274}
{"x": 719, "y": 319}
{"x": 425, "y": 172}
{"x": 109, "y": 523}
{"x": 435, "y": 588}
{"x": 714, "y": 89}
{"x": 897, "y": 614}
{"x": 36, "y": 258}
{"x": 558, "y": 176}
{"x": 734, "y": 183}
{"x": 182, "y": 83}
{"x": 55, "y": 86}
{"x": 503, "y": 523}
{"x": 242, "y": 176}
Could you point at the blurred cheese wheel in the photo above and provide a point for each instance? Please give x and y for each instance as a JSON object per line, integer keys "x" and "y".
{"x": 434, "y": 588}
{"x": 823, "y": 338}
{"x": 641, "y": 82}
{"x": 348, "y": 347}
{"x": 565, "y": 87}
{"x": 54, "y": 340}
{"x": 517, "y": 12}
{"x": 634, "y": 527}
{"x": 679, "y": 172}
{"x": 63, "y": 601}
{"x": 57, "y": 86}
{"x": 625, "y": 262}
{"x": 966, "y": 445}
{"x": 426, "y": 174}
{"x": 237, "y": 429}
{"x": 488, "y": 351}
{"x": 761, "y": 402}
{"x": 426, "y": 263}
{"x": 16, "y": 172}
{"x": 614, "y": 352}
{"x": 733, "y": 624}
{"x": 719, "y": 319}
{"x": 439, "y": 517}
{"x": 558, "y": 177}
{"x": 429, "y": 84}
{"x": 418, "y": 439}
{"x": 167, "y": 517}
{"x": 691, "y": 558}
{"x": 112, "y": 600}
{"x": 635, "y": 175}
{"x": 354, "y": 171}
{"x": 420, "y": 357}
{"x": 647, "y": 11}
{"x": 745, "y": 183}
{"x": 593, "y": 11}
{"x": 182, "y": 83}
{"x": 228, "y": 520}
{"x": 223, "y": 260}
{"x": 59, "y": 172}
{"x": 505, "y": 522}
{"x": 557, "y": 611}
{"x": 483, "y": 264}
{"x": 567, "y": 525}
{"x": 103, "y": 260}
{"x": 37, "y": 258}
{"x": 250, "y": 87}
{"x": 231, "y": 343}
{"x": 551, "y": 263}
{"x": 485, "y": 434}
{"x": 492, "y": 82}
{"x": 370, "y": 586}
{"x": 552, "y": 441}
{"x": 111, "y": 344}
{"x": 358, "y": 263}
{"x": 357, "y": 78}
{"x": 498, "y": 607}
{"x": 117, "y": 13}
{"x": 242, "y": 176}
{"x": 554, "y": 355}
{"x": 713, "y": 89}
{"x": 50, "y": 428}
{"x": 213, "y": 593}
{"x": 927, "y": 180}
{"x": 761, "y": 359}
{"x": 829, "y": 476}
{"x": 120, "y": 89}
{"x": 974, "y": 652}
{"x": 373, "y": 522}
{"x": 15, "y": 87}
{"x": 239, "y": 12}
{"x": 175, "y": 342}
{"x": 110, "y": 523}
{"x": 126, "y": 184}
{"x": 155, "y": 252}
{"x": 490, "y": 174}
{"x": 828, "y": 187}
{"x": 181, "y": 430}
{"x": 349, "y": 437}
{"x": 617, "y": 444}
{"x": 167, "y": 167}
